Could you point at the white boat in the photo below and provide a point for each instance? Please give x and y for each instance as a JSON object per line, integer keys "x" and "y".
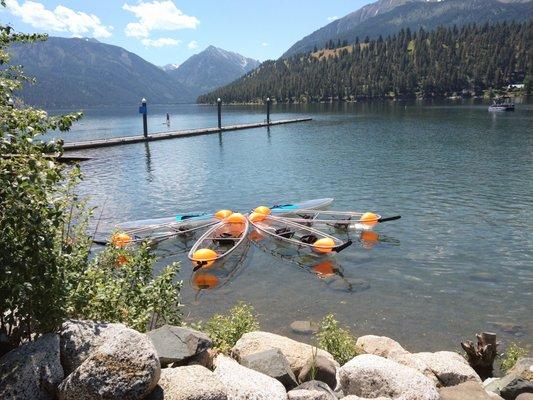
{"x": 502, "y": 104}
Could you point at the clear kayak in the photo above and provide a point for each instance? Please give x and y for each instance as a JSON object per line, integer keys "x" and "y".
{"x": 303, "y": 236}
{"x": 338, "y": 219}
{"x": 219, "y": 241}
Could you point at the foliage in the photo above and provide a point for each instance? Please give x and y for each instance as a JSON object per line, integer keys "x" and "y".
{"x": 225, "y": 330}
{"x": 118, "y": 286}
{"x": 425, "y": 64}
{"x": 336, "y": 340}
{"x": 513, "y": 353}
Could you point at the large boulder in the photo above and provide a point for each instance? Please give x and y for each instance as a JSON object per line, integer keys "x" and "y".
{"x": 467, "y": 390}
{"x": 126, "y": 366}
{"x": 368, "y": 375}
{"x": 380, "y": 346}
{"x": 450, "y": 368}
{"x": 192, "y": 382}
{"x": 516, "y": 378}
{"x": 321, "y": 369}
{"x": 516, "y": 388}
{"x": 177, "y": 345}
{"x": 80, "y": 338}
{"x": 312, "y": 390}
{"x": 32, "y": 371}
{"x": 273, "y": 363}
{"x": 246, "y": 384}
{"x": 297, "y": 353}
{"x": 410, "y": 360}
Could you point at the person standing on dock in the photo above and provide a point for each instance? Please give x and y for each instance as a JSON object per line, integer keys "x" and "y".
{"x": 168, "y": 119}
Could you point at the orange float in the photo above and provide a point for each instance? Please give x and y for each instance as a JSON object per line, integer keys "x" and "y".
{"x": 205, "y": 281}
{"x": 221, "y": 214}
{"x": 263, "y": 210}
{"x": 120, "y": 239}
{"x": 369, "y": 219}
{"x": 236, "y": 218}
{"x": 257, "y": 217}
{"x": 204, "y": 257}
{"x": 324, "y": 245}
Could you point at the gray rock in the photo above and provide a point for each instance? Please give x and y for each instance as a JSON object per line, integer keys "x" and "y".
{"x": 354, "y": 397}
{"x": 325, "y": 370}
{"x": 246, "y": 384}
{"x": 304, "y": 327}
{"x": 525, "y": 396}
{"x": 312, "y": 390}
{"x": 297, "y": 353}
{"x": 372, "y": 376}
{"x": 380, "y": 346}
{"x": 273, "y": 363}
{"x": 32, "y": 371}
{"x": 125, "y": 367}
{"x": 80, "y": 338}
{"x": 522, "y": 369}
{"x": 177, "y": 344}
{"x": 516, "y": 387}
{"x": 467, "y": 390}
{"x": 450, "y": 368}
{"x": 410, "y": 360}
{"x": 192, "y": 382}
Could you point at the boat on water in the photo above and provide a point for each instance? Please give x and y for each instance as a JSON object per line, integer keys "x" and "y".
{"x": 219, "y": 241}
{"x": 505, "y": 103}
{"x": 294, "y": 233}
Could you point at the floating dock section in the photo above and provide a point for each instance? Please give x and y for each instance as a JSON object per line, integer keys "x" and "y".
{"x": 97, "y": 143}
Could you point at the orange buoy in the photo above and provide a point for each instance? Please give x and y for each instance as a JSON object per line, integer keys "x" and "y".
{"x": 120, "y": 239}
{"x": 369, "y": 219}
{"x": 221, "y": 214}
{"x": 257, "y": 217}
{"x": 324, "y": 245}
{"x": 369, "y": 239}
{"x": 236, "y": 218}
{"x": 205, "y": 281}
{"x": 204, "y": 257}
{"x": 263, "y": 210}
{"x": 325, "y": 269}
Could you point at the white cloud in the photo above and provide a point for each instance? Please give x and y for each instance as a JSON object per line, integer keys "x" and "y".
{"x": 157, "y": 15}
{"x": 330, "y": 19}
{"x": 61, "y": 19}
{"x": 160, "y": 42}
{"x": 264, "y": 44}
{"x": 193, "y": 45}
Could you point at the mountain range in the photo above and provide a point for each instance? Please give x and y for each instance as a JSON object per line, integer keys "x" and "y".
{"x": 386, "y": 17}
{"x": 82, "y": 72}
{"x": 210, "y": 69}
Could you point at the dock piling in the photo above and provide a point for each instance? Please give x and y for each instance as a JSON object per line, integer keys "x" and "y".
{"x": 219, "y": 106}
{"x": 144, "y": 110}
{"x": 268, "y": 110}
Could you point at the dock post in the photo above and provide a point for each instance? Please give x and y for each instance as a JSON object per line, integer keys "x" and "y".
{"x": 143, "y": 110}
{"x": 268, "y": 110}
{"x": 219, "y": 106}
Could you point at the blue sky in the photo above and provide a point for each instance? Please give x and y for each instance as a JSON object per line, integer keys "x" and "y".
{"x": 170, "y": 31}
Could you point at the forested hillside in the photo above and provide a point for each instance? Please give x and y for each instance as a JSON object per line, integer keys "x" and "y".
{"x": 425, "y": 64}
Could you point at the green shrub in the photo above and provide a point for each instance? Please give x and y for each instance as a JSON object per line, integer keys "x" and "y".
{"x": 225, "y": 330}
{"x": 337, "y": 341}
{"x": 118, "y": 286}
{"x": 511, "y": 356}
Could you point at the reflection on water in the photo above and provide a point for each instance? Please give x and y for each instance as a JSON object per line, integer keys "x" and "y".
{"x": 458, "y": 262}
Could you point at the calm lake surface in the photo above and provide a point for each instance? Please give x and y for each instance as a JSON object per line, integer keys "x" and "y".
{"x": 458, "y": 262}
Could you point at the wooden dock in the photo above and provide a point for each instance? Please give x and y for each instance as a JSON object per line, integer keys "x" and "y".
{"x": 97, "y": 143}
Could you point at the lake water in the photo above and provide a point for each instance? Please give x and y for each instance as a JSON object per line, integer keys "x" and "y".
{"x": 458, "y": 262}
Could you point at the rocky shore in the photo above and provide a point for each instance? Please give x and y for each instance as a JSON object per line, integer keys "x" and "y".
{"x": 88, "y": 360}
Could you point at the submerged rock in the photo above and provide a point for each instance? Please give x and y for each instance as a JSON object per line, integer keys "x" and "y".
{"x": 304, "y": 327}
{"x": 380, "y": 346}
{"x": 32, "y": 371}
{"x": 178, "y": 344}
{"x": 244, "y": 383}
{"x": 80, "y": 338}
{"x": 372, "y": 376}
{"x": 126, "y": 366}
{"x": 273, "y": 363}
{"x": 297, "y": 353}
{"x": 188, "y": 383}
